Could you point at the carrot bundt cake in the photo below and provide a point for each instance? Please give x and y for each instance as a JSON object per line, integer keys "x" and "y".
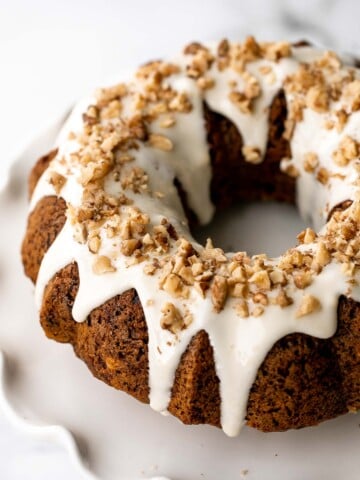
{"x": 209, "y": 336}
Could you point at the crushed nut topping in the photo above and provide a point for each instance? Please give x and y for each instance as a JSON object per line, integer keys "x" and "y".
{"x": 108, "y": 150}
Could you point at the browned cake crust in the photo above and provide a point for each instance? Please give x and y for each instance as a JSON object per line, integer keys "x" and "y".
{"x": 302, "y": 381}
{"x": 39, "y": 168}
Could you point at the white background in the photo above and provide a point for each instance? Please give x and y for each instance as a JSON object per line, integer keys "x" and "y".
{"x": 52, "y": 51}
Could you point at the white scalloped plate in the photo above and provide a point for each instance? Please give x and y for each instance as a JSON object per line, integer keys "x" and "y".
{"x": 47, "y": 392}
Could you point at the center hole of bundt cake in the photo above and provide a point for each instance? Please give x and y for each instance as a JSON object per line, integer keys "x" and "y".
{"x": 255, "y": 227}
{"x": 244, "y": 221}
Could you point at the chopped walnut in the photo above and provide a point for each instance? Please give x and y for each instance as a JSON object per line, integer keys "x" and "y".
{"x": 309, "y": 304}
{"x": 303, "y": 279}
{"x": 258, "y": 311}
{"x": 323, "y": 175}
{"x": 307, "y": 236}
{"x": 347, "y": 151}
{"x": 276, "y": 50}
{"x": 242, "y": 309}
{"x": 322, "y": 256}
{"x": 129, "y": 246}
{"x": 311, "y": 161}
{"x": 238, "y": 290}
{"x": 219, "y": 292}
{"x": 93, "y": 171}
{"x": 167, "y": 122}
{"x": 251, "y": 48}
{"x": 342, "y": 117}
{"x": 290, "y": 170}
{"x": 173, "y": 320}
{"x": 91, "y": 116}
{"x": 102, "y": 264}
{"x": 261, "y": 279}
{"x": 180, "y": 103}
{"x": 111, "y": 142}
{"x": 348, "y": 269}
{"x": 223, "y": 54}
{"x": 242, "y": 102}
{"x": 277, "y": 277}
{"x": 351, "y": 95}
{"x": 317, "y": 99}
{"x": 134, "y": 179}
{"x": 251, "y": 154}
{"x": 193, "y": 48}
{"x": 57, "y": 180}
{"x": 260, "y": 298}
{"x": 112, "y": 110}
{"x": 150, "y": 269}
{"x": 80, "y": 233}
{"x": 106, "y": 95}
{"x": 282, "y": 299}
{"x": 205, "y": 83}
{"x": 329, "y": 60}
{"x": 252, "y": 86}
{"x": 160, "y": 142}
{"x": 94, "y": 244}
{"x": 174, "y": 285}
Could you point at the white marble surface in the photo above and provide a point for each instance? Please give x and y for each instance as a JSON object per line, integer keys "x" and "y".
{"x": 51, "y": 51}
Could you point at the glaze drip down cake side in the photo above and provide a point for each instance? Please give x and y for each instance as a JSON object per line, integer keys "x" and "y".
{"x": 209, "y": 336}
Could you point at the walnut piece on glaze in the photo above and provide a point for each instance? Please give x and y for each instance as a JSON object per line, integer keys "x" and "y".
{"x": 172, "y": 319}
{"x": 351, "y": 95}
{"x": 307, "y": 236}
{"x": 241, "y": 101}
{"x": 311, "y": 162}
{"x": 242, "y": 309}
{"x": 102, "y": 264}
{"x": 309, "y": 304}
{"x": 282, "y": 299}
{"x": 348, "y": 150}
{"x": 323, "y": 175}
{"x": 57, "y": 181}
{"x": 317, "y": 99}
{"x": 252, "y": 154}
{"x": 160, "y": 142}
{"x": 219, "y": 292}
{"x": 290, "y": 169}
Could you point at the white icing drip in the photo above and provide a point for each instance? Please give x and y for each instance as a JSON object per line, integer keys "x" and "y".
{"x": 191, "y": 160}
{"x": 314, "y": 200}
{"x": 236, "y": 356}
{"x": 240, "y": 345}
{"x": 254, "y": 127}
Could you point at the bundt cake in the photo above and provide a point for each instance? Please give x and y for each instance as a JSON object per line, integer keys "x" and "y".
{"x": 211, "y": 337}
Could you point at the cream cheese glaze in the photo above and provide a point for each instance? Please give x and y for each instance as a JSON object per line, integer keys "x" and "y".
{"x": 240, "y": 344}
